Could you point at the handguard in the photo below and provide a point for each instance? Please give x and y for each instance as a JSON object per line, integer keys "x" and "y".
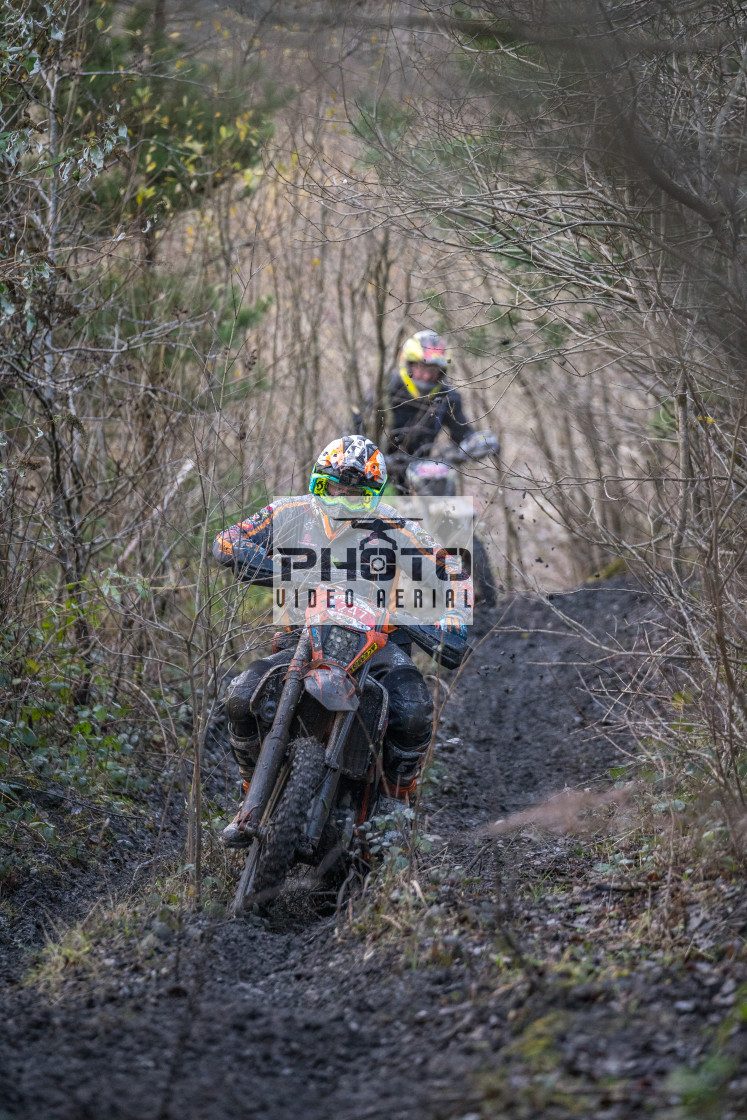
{"x": 448, "y": 649}
{"x": 479, "y": 444}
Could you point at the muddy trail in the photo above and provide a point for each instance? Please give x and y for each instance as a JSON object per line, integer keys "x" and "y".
{"x": 504, "y": 982}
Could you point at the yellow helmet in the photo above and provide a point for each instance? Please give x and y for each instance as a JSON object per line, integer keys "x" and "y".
{"x": 423, "y": 362}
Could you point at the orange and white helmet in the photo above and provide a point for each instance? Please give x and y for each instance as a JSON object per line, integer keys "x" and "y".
{"x": 423, "y": 362}
{"x": 355, "y": 463}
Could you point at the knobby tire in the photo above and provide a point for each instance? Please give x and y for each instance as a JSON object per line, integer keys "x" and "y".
{"x": 486, "y": 593}
{"x": 287, "y": 822}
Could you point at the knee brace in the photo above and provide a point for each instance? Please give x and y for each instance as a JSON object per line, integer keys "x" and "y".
{"x": 242, "y": 721}
{"x": 410, "y": 709}
{"x": 410, "y": 723}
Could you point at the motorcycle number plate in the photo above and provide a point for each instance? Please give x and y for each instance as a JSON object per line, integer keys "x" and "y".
{"x": 431, "y": 470}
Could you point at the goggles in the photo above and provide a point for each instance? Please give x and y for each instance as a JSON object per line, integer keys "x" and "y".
{"x": 357, "y": 499}
{"x": 426, "y": 373}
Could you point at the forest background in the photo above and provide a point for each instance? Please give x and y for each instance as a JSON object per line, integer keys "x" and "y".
{"x": 216, "y": 229}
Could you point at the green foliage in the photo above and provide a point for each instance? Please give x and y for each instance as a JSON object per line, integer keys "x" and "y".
{"x": 490, "y": 336}
{"x": 45, "y": 736}
{"x": 481, "y": 33}
{"x": 32, "y": 41}
{"x": 54, "y": 734}
{"x": 437, "y": 779}
{"x": 65, "y": 762}
{"x": 703, "y": 1090}
{"x": 381, "y": 122}
{"x": 663, "y": 424}
{"x": 188, "y": 121}
{"x": 142, "y": 126}
{"x": 139, "y": 930}
{"x": 391, "y": 840}
{"x": 31, "y": 38}
{"x": 438, "y": 315}
{"x": 234, "y": 317}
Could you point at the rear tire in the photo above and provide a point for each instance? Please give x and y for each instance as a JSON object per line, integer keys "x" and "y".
{"x": 287, "y": 822}
{"x": 486, "y": 594}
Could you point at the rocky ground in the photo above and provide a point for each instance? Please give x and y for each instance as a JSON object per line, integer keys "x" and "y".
{"x": 524, "y": 974}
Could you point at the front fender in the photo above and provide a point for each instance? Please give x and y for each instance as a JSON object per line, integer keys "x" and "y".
{"x": 333, "y": 688}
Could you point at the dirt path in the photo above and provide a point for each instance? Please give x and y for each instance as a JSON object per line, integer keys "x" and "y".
{"x": 403, "y": 1016}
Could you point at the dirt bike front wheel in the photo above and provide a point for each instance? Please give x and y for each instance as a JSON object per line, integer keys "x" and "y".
{"x": 285, "y": 827}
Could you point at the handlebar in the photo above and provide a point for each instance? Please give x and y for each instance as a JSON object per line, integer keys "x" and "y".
{"x": 479, "y": 445}
{"x": 447, "y": 648}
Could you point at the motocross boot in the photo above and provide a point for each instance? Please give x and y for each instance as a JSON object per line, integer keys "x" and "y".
{"x": 395, "y": 794}
{"x": 245, "y": 751}
{"x": 232, "y": 835}
{"x": 399, "y": 781}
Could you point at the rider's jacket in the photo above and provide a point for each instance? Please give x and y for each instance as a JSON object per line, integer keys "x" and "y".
{"x": 415, "y": 420}
{"x": 289, "y": 522}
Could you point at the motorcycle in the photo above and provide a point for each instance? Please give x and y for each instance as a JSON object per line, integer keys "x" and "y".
{"x": 439, "y": 477}
{"x": 316, "y": 779}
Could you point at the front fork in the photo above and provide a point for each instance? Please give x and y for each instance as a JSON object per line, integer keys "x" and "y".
{"x": 324, "y": 800}
{"x": 276, "y": 741}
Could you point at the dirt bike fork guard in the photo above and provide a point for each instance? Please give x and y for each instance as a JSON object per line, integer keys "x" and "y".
{"x": 322, "y": 804}
{"x": 273, "y": 749}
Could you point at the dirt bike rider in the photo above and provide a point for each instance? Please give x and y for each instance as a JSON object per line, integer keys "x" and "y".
{"x": 421, "y": 403}
{"x": 349, "y": 476}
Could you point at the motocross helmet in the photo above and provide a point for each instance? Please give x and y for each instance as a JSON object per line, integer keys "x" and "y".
{"x": 349, "y": 476}
{"x": 423, "y": 362}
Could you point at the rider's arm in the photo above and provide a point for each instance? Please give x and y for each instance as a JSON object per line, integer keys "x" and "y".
{"x": 445, "y": 569}
{"x": 246, "y": 547}
{"x": 400, "y": 415}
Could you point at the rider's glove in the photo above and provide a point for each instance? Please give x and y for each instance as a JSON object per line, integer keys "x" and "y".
{"x": 254, "y": 564}
{"x": 479, "y": 444}
{"x": 453, "y": 623}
